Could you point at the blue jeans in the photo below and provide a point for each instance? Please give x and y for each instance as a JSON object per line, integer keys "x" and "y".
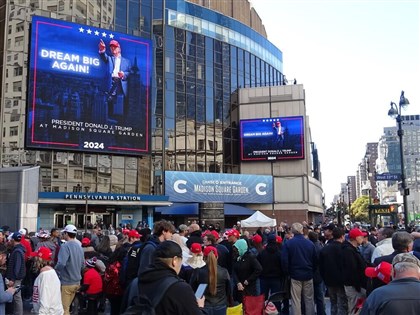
{"x": 215, "y": 310}
{"x": 319, "y": 293}
{"x": 270, "y": 286}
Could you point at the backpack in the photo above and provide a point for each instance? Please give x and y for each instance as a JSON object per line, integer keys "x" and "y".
{"x": 112, "y": 284}
{"x": 144, "y": 306}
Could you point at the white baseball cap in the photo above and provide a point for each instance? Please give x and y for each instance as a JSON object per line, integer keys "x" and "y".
{"x": 70, "y": 228}
{"x": 22, "y": 231}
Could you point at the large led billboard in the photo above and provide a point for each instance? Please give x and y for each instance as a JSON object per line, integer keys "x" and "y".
{"x": 280, "y": 138}
{"x": 89, "y": 89}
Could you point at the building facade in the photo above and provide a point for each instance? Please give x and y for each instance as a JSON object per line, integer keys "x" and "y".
{"x": 204, "y": 53}
{"x": 389, "y": 161}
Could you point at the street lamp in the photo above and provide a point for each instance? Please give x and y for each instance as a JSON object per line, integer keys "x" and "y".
{"x": 86, "y": 206}
{"x": 395, "y": 112}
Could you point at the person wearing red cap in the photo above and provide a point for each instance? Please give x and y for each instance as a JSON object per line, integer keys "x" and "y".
{"x": 119, "y": 70}
{"x": 399, "y": 296}
{"x": 218, "y": 292}
{"x": 193, "y": 262}
{"x": 133, "y": 257}
{"x": 46, "y": 296}
{"x": 278, "y": 133}
{"x": 353, "y": 269}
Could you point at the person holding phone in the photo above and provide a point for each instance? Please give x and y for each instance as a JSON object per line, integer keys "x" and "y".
{"x": 217, "y": 280}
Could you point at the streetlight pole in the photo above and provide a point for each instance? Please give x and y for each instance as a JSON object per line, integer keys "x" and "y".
{"x": 395, "y": 112}
{"x": 86, "y": 206}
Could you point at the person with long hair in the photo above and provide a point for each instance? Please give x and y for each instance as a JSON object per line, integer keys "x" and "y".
{"x": 218, "y": 292}
{"x": 104, "y": 246}
{"x": 46, "y": 296}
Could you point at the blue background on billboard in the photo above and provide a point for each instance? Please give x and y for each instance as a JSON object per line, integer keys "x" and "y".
{"x": 217, "y": 187}
{"x": 260, "y": 140}
{"x": 73, "y": 103}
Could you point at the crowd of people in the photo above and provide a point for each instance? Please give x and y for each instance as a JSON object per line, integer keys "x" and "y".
{"x": 157, "y": 271}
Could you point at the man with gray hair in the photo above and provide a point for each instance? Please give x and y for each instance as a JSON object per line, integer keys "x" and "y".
{"x": 401, "y": 295}
{"x": 299, "y": 260}
{"x": 402, "y": 242}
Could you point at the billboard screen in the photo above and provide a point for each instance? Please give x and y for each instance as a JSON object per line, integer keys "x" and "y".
{"x": 218, "y": 187}
{"x": 266, "y": 139}
{"x": 89, "y": 89}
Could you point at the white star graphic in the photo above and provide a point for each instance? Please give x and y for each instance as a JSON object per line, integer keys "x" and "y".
{"x": 103, "y": 34}
{"x": 89, "y": 31}
{"x": 81, "y": 30}
{"x": 111, "y": 36}
{"x": 96, "y": 33}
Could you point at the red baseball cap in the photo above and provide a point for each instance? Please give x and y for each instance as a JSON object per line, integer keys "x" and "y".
{"x": 125, "y": 231}
{"x": 233, "y": 232}
{"x": 114, "y": 43}
{"x": 279, "y": 239}
{"x": 209, "y": 249}
{"x": 85, "y": 241}
{"x": 355, "y": 233}
{"x": 134, "y": 233}
{"x": 382, "y": 272}
{"x": 196, "y": 248}
{"x": 43, "y": 252}
{"x": 257, "y": 238}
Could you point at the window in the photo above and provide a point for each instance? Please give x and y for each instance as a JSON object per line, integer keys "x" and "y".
{"x": 13, "y": 131}
{"x": 201, "y": 144}
{"x": 13, "y": 145}
{"x": 19, "y": 27}
{"x": 19, "y": 41}
{"x": 211, "y": 145}
{"x": 55, "y": 173}
{"x": 17, "y": 71}
{"x": 78, "y": 174}
{"x": 17, "y": 86}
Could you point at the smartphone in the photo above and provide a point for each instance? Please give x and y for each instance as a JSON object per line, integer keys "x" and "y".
{"x": 200, "y": 290}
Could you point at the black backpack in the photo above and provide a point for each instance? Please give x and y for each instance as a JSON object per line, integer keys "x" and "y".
{"x": 143, "y": 305}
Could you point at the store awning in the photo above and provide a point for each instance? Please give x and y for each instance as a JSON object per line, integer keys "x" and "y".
{"x": 231, "y": 209}
{"x": 179, "y": 209}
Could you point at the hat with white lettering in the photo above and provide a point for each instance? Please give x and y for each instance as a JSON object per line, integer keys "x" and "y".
{"x": 70, "y": 228}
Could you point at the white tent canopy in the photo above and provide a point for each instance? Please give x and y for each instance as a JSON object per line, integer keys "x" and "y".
{"x": 258, "y": 219}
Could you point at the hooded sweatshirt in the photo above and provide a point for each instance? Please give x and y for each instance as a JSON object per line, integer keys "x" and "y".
{"x": 242, "y": 247}
{"x": 179, "y": 297}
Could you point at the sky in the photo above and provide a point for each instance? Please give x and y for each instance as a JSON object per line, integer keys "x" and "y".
{"x": 353, "y": 58}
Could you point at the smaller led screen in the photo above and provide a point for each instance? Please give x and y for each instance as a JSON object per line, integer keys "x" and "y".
{"x": 265, "y": 139}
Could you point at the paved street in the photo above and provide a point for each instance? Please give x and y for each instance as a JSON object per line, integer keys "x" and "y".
{"x": 107, "y": 311}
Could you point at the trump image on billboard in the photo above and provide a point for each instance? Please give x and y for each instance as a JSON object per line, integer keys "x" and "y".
{"x": 88, "y": 89}
{"x": 280, "y": 138}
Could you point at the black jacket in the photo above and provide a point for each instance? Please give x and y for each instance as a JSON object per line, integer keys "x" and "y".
{"x": 247, "y": 268}
{"x": 222, "y": 297}
{"x": 270, "y": 260}
{"x": 179, "y": 299}
{"x": 330, "y": 264}
{"x": 353, "y": 267}
{"x": 16, "y": 268}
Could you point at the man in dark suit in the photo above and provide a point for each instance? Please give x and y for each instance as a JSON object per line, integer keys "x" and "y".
{"x": 119, "y": 70}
